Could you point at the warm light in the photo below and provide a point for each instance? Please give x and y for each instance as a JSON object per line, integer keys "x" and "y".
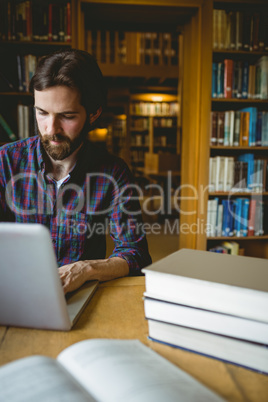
{"x": 157, "y": 98}
{"x": 99, "y": 134}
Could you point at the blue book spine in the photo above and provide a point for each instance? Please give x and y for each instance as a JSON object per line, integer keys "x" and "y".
{"x": 245, "y": 80}
{"x": 214, "y": 80}
{"x": 245, "y": 211}
{"x": 227, "y": 222}
{"x": 238, "y": 217}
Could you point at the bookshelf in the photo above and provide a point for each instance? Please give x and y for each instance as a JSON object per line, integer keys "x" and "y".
{"x": 28, "y": 30}
{"x": 239, "y": 110}
{"x": 195, "y": 66}
{"x": 153, "y": 126}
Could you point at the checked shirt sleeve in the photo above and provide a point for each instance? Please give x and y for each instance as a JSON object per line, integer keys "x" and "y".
{"x": 126, "y": 227}
{"x": 2, "y": 190}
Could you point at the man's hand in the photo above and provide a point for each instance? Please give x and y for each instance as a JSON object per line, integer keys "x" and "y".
{"x": 76, "y": 274}
{"x": 73, "y": 275}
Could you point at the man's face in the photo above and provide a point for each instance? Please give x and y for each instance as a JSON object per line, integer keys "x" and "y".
{"x": 61, "y": 120}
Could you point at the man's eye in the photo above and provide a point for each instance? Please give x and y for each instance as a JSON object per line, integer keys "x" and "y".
{"x": 68, "y": 117}
{"x": 40, "y": 112}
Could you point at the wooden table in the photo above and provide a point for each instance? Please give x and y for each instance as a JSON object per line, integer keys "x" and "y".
{"x": 116, "y": 311}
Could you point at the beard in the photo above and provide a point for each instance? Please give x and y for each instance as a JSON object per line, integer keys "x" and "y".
{"x": 65, "y": 147}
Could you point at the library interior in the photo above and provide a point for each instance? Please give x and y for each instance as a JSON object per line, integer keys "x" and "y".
{"x": 187, "y": 110}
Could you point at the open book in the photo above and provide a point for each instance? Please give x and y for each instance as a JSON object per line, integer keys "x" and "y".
{"x": 102, "y": 370}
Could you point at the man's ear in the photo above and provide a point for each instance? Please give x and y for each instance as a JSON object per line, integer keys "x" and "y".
{"x": 93, "y": 117}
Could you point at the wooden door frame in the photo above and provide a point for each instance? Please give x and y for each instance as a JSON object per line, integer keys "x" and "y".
{"x": 195, "y": 109}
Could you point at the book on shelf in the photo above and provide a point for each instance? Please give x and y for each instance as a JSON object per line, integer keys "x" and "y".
{"x": 210, "y": 303}
{"x": 7, "y": 132}
{"x": 5, "y": 84}
{"x": 228, "y": 77}
{"x": 228, "y": 247}
{"x": 239, "y": 217}
{"x": 240, "y": 80}
{"x": 30, "y": 20}
{"x": 250, "y": 355}
{"x": 26, "y": 121}
{"x": 140, "y": 108}
{"x": 136, "y": 48}
{"x": 77, "y": 374}
{"x": 246, "y": 127}
{"x": 228, "y": 218}
{"x": 240, "y": 30}
{"x": 245, "y": 174}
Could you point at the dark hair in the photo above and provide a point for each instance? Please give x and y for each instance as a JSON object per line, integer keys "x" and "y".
{"x": 75, "y": 69}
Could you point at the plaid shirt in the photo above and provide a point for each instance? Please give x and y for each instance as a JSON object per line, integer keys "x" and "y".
{"x": 97, "y": 197}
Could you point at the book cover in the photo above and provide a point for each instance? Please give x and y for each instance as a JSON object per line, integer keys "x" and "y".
{"x": 205, "y": 320}
{"x": 244, "y": 129}
{"x": 228, "y": 77}
{"x": 220, "y": 128}
{"x": 230, "y": 350}
{"x": 237, "y": 121}
{"x": 244, "y": 221}
{"x": 239, "y": 19}
{"x": 238, "y": 217}
{"x": 7, "y": 129}
{"x": 251, "y": 219}
{"x": 245, "y": 73}
{"x": 228, "y": 218}
{"x": 218, "y": 282}
{"x": 220, "y": 80}
{"x": 214, "y": 80}
{"x": 253, "y": 112}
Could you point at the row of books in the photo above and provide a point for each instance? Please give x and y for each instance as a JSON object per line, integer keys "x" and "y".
{"x": 137, "y": 156}
{"x": 154, "y": 108}
{"x": 140, "y": 124}
{"x": 6, "y": 132}
{"x": 228, "y": 247}
{"x": 241, "y": 217}
{"x": 240, "y": 80}
{"x": 205, "y": 303}
{"x": 26, "y": 125}
{"x": 139, "y": 140}
{"x": 242, "y": 175}
{"x": 26, "y": 121}
{"x": 32, "y": 21}
{"x": 240, "y": 30}
{"x": 26, "y": 66}
{"x": 245, "y": 127}
{"x": 139, "y": 48}
{"x": 165, "y": 122}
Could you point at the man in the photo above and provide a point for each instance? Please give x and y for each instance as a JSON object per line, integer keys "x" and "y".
{"x": 60, "y": 180}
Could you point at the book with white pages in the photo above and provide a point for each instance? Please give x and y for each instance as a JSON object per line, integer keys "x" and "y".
{"x": 204, "y": 320}
{"x": 249, "y": 355}
{"x": 224, "y": 283}
{"x": 104, "y": 370}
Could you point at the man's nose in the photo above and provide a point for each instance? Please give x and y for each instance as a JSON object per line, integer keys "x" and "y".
{"x": 53, "y": 126}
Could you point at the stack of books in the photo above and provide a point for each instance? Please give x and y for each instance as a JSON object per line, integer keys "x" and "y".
{"x": 211, "y": 304}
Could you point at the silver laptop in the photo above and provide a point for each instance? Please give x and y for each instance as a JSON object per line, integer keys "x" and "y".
{"x": 31, "y": 293}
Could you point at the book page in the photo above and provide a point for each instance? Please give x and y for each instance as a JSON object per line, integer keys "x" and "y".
{"x": 116, "y": 370}
{"x": 41, "y": 379}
